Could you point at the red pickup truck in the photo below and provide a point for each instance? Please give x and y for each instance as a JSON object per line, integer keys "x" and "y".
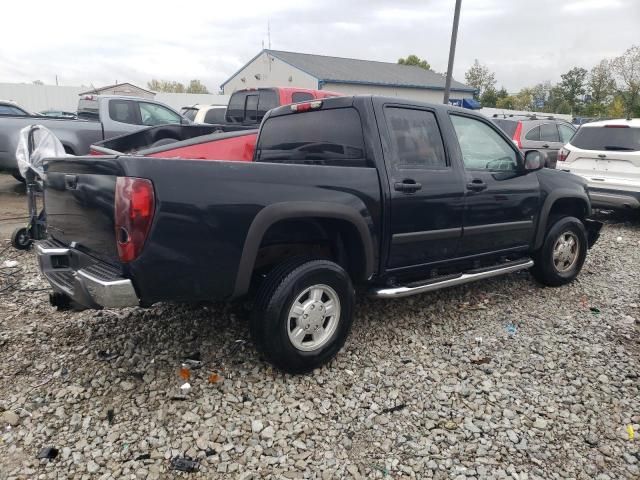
{"x": 233, "y": 140}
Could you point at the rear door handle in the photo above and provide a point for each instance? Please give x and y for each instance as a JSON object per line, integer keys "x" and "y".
{"x": 476, "y": 185}
{"x": 546, "y": 145}
{"x": 407, "y": 186}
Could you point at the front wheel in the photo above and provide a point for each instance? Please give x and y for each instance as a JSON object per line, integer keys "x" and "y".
{"x": 302, "y": 314}
{"x": 563, "y": 252}
{"x": 20, "y": 239}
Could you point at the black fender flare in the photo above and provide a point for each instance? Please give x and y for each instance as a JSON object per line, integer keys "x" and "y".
{"x": 555, "y": 195}
{"x": 291, "y": 210}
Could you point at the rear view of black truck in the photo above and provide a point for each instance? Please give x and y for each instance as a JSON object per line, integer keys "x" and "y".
{"x": 394, "y": 197}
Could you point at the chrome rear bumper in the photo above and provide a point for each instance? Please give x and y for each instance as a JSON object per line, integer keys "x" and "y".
{"x": 89, "y": 284}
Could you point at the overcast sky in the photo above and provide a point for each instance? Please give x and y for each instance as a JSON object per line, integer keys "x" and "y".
{"x": 522, "y": 41}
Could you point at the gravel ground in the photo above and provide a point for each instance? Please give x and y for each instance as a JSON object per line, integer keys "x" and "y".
{"x": 500, "y": 379}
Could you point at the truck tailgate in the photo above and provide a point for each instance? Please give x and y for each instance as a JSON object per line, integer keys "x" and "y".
{"x": 79, "y": 201}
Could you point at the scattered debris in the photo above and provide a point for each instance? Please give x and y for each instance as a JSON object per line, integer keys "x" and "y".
{"x": 48, "y": 452}
{"x": 10, "y": 263}
{"x": 184, "y": 464}
{"x": 395, "y": 408}
{"x": 209, "y": 452}
{"x": 215, "y": 378}
{"x": 630, "y": 431}
{"x": 185, "y": 388}
{"x": 143, "y": 456}
{"x": 106, "y": 355}
{"x": 481, "y": 360}
{"x": 110, "y": 416}
{"x": 384, "y": 471}
{"x": 511, "y": 329}
{"x": 185, "y": 373}
{"x": 595, "y": 310}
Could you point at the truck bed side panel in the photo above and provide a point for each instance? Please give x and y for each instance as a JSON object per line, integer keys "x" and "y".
{"x": 205, "y": 209}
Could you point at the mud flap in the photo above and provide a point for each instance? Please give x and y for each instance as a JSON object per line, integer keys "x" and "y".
{"x": 593, "y": 231}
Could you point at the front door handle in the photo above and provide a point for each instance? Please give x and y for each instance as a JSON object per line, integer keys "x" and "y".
{"x": 407, "y": 186}
{"x": 546, "y": 145}
{"x": 476, "y": 185}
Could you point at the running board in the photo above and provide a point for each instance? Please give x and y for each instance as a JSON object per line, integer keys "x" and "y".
{"x": 405, "y": 291}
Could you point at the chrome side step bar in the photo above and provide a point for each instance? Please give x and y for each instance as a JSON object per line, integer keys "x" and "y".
{"x": 405, "y": 291}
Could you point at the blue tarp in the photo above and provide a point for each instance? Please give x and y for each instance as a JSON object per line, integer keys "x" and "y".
{"x": 469, "y": 103}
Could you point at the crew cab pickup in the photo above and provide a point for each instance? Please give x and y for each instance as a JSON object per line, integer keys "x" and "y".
{"x": 390, "y": 196}
{"x": 100, "y": 117}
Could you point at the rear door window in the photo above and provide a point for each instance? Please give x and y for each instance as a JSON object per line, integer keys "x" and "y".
{"x": 625, "y": 139}
{"x": 251, "y": 109}
{"x": 124, "y": 111}
{"x": 508, "y": 126}
{"x": 319, "y": 137}
{"x": 268, "y": 100}
{"x": 251, "y": 106}
{"x": 415, "y": 138}
{"x": 549, "y": 133}
{"x": 566, "y": 133}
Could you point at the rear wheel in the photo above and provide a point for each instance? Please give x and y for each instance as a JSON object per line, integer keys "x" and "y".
{"x": 563, "y": 252}
{"x": 302, "y": 314}
{"x": 20, "y": 239}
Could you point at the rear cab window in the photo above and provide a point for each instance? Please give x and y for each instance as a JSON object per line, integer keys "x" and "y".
{"x": 124, "y": 111}
{"x": 614, "y": 138}
{"x": 250, "y": 106}
{"x": 318, "y": 137}
{"x": 301, "y": 97}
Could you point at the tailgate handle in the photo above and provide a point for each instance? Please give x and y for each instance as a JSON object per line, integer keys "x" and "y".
{"x": 71, "y": 182}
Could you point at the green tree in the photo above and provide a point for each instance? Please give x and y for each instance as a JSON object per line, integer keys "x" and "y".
{"x": 540, "y": 93}
{"x": 627, "y": 72}
{"x": 414, "y": 60}
{"x": 196, "y": 86}
{"x": 601, "y": 86}
{"x": 480, "y": 77}
{"x": 573, "y": 86}
{"x": 489, "y": 98}
{"x": 506, "y": 102}
{"x": 166, "y": 86}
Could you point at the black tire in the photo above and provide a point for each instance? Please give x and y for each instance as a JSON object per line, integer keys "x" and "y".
{"x": 545, "y": 269}
{"x": 20, "y": 239}
{"x": 270, "y": 322}
{"x": 18, "y": 177}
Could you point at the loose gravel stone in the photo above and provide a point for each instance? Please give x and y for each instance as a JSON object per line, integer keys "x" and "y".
{"x": 413, "y": 394}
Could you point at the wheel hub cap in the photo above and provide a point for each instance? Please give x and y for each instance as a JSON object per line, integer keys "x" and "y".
{"x": 566, "y": 251}
{"x": 313, "y": 317}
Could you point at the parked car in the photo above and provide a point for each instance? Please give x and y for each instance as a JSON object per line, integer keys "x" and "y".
{"x": 607, "y": 155}
{"x": 100, "y": 117}
{"x": 199, "y": 114}
{"x": 58, "y": 114}
{"x": 10, "y": 108}
{"x": 249, "y": 106}
{"x": 393, "y": 196}
{"x": 531, "y": 132}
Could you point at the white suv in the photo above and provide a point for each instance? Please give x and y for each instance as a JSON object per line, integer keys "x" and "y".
{"x": 607, "y": 155}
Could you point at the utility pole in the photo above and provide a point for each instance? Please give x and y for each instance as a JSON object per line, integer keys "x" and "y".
{"x": 452, "y": 51}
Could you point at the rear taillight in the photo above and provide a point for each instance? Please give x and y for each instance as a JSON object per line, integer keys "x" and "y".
{"x": 517, "y": 134}
{"x": 134, "y": 209}
{"x": 563, "y": 153}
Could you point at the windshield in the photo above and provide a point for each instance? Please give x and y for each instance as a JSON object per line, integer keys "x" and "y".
{"x": 613, "y": 138}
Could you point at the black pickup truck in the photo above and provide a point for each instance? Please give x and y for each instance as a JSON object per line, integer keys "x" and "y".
{"x": 391, "y": 196}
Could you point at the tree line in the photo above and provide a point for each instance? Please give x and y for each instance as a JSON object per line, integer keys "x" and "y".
{"x": 610, "y": 89}
{"x": 195, "y": 86}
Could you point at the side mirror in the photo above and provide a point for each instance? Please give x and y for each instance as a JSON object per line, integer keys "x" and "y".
{"x": 533, "y": 161}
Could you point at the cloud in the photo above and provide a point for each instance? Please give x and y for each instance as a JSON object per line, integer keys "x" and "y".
{"x": 524, "y": 43}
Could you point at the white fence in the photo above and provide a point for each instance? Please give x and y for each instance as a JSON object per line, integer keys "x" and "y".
{"x": 36, "y": 98}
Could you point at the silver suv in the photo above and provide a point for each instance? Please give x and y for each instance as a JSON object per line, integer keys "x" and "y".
{"x": 530, "y": 132}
